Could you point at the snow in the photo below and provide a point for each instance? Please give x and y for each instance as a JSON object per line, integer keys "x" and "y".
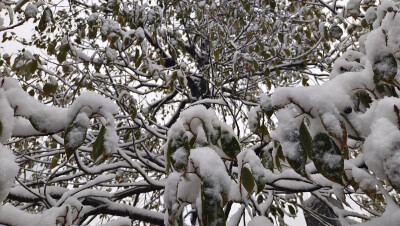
{"x": 260, "y": 221}
{"x": 265, "y": 103}
{"x": 210, "y": 167}
{"x": 6, "y": 118}
{"x": 140, "y": 33}
{"x": 180, "y": 156}
{"x": 379, "y": 144}
{"x": 11, "y": 215}
{"x": 249, "y": 158}
{"x": 8, "y": 170}
{"x": 353, "y": 8}
{"x": 370, "y": 15}
{"x": 253, "y": 119}
{"x": 364, "y": 179}
{"x": 77, "y": 134}
{"x": 123, "y": 221}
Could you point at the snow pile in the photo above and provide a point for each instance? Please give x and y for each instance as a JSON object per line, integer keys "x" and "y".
{"x": 8, "y": 170}
{"x": 6, "y": 118}
{"x": 260, "y": 221}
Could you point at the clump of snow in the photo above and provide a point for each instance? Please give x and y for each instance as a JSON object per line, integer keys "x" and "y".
{"x": 253, "y": 119}
{"x": 392, "y": 166}
{"x": 123, "y": 221}
{"x": 180, "y": 157}
{"x": 353, "y": 8}
{"x": 265, "y": 103}
{"x": 77, "y": 134}
{"x": 110, "y": 137}
{"x": 209, "y": 166}
{"x": 8, "y": 170}
{"x": 332, "y": 123}
{"x": 260, "y": 221}
{"x": 287, "y": 132}
{"x": 370, "y": 15}
{"x": 249, "y": 158}
{"x": 189, "y": 188}
{"x": 170, "y": 195}
{"x": 364, "y": 180}
{"x": 7, "y": 121}
{"x": 379, "y": 144}
{"x": 140, "y": 33}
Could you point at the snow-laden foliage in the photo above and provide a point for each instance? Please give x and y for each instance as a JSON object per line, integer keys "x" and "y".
{"x": 121, "y": 112}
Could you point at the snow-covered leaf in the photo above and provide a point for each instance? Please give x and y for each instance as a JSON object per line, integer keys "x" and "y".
{"x": 211, "y": 210}
{"x": 75, "y": 134}
{"x": 268, "y": 160}
{"x": 336, "y": 32}
{"x": 328, "y": 158}
{"x": 385, "y": 67}
{"x": 230, "y": 144}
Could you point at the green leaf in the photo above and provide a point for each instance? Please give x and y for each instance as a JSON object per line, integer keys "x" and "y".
{"x": 364, "y": 23}
{"x": 62, "y": 56}
{"x": 292, "y": 210}
{"x": 277, "y": 156}
{"x": 280, "y": 37}
{"x": 336, "y": 32}
{"x": 133, "y": 112}
{"x": 327, "y": 157}
{"x": 54, "y": 161}
{"x": 230, "y": 145}
{"x": 92, "y": 34}
{"x": 305, "y": 139}
{"x": 42, "y": 23}
{"x": 75, "y": 134}
{"x": 49, "y": 89}
{"x": 272, "y": 3}
{"x": 262, "y": 131}
{"x": 64, "y": 47}
{"x": 217, "y": 54}
{"x": 98, "y": 145}
{"x": 260, "y": 199}
{"x": 32, "y": 66}
{"x": 385, "y": 67}
{"x": 51, "y": 48}
{"x": 269, "y": 84}
{"x": 247, "y": 179}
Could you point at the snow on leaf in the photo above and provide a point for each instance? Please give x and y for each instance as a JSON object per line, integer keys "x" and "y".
{"x": 229, "y": 143}
{"x": 75, "y": 134}
{"x": 328, "y": 158}
{"x": 336, "y": 32}
{"x": 385, "y": 67}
